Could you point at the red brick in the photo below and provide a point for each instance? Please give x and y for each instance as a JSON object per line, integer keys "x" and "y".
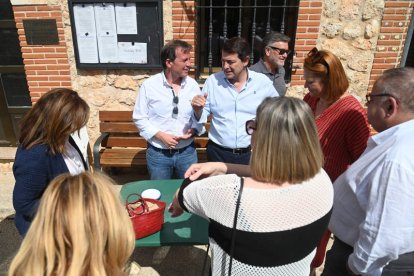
{"x": 19, "y": 15}
{"x": 62, "y": 61}
{"x": 311, "y": 11}
{"x": 316, "y": 4}
{"x": 37, "y": 89}
{"x": 56, "y": 55}
{"x": 33, "y": 56}
{"x": 27, "y": 50}
{"x": 316, "y": 17}
{"x": 60, "y": 78}
{"x": 391, "y": 30}
{"x": 387, "y": 17}
{"x": 387, "y": 54}
{"x": 47, "y": 72}
{"x": 28, "y": 61}
{"x": 37, "y": 78}
{"x": 39, "y": 15}
{"x": 58, "y": 67}
{"x": 45, "y": 61}
{"x": 32, "y": 83}
{"x": 56, "y": 14}
{"x": 66, "y": 83}
{"x": 35, "y": 67}
{"x": 44, "y": 50}
{"x": 405, "y": 4}
{"x": 382, "y": 66}
{"x": 307, "y": 36}
{"x": 64, "y": 72}
{"x": 389, "y": 42}
{"x": 24, "y": 8}
{"x": 49, "y": 83}
{"x": 43, "y": 8}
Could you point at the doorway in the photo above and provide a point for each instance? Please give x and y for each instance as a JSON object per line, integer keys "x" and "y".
{"x": 14, "y": 92}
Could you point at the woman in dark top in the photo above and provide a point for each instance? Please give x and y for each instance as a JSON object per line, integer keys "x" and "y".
{"x": 46, "y": 149}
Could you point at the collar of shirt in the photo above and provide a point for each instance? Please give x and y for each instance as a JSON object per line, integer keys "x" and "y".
{"x": 249, "y": 79}
{"x": 165, "y": 81}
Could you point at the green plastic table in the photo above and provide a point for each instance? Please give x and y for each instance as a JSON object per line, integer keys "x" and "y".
{"x": 187, "y": 229}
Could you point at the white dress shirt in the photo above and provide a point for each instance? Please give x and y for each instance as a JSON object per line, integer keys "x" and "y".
{"x": 154, "y": 107}
{"x": 373, "y": 201}
{"x": 231, "y": 109}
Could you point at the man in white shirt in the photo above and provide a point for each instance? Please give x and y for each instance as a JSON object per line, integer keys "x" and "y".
{"x": 373, "y": 213}
{"x": 232, "y": 97}
{"x": 163, "y": 114}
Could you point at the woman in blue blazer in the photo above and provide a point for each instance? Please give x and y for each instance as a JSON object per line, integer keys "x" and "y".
{"x": 46, "y": 149}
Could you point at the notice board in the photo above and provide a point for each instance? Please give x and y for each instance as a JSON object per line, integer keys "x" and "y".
{"x": 117, "y": 34}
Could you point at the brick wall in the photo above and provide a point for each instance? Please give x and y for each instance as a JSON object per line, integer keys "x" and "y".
{"x": 183, "y": 16}
{"x": 394, "y": 28}
{"x": 307, "y": 33}
{"x": 46, "y": 66}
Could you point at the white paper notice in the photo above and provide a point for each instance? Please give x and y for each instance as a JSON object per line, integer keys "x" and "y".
{"x": 86, "y": 33}
{"x": 84, "y": 19}
{"x": 105, "y": 19}
{"x": 132, "y": 52}
{"x": 108, "y": 49}
{"x": 88, "y": 49}
{"x": 126, "y": 18}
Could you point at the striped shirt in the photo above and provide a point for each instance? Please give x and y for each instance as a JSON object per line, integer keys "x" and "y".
{"x": 343, "y": 132}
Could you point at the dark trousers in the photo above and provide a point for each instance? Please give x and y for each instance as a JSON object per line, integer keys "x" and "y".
{"x": 217, "y": 154}
{"x": 337, "y": 259}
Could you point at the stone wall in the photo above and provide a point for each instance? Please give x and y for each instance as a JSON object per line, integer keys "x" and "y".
{"x": 348, "y": 28}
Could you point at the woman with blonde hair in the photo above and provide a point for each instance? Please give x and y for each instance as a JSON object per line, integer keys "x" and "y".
{"x": 81, "y": 228}
{"x": 283, "y": 207}
{"x": 46, "y": 149}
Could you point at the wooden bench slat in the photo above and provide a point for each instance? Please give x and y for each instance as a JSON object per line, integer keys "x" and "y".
{"x": 118, "y": 127}
{"x": 136, "y": 142}
{"x": 124, "y": 147}
{"x": 115, "y": 116}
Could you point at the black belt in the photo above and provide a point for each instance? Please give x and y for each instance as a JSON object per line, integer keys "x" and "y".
{"x": 170, "y": 151}
{"x": 234, "y": 151}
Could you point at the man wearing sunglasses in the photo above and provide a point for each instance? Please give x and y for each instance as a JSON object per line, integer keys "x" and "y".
{"x": 231, "y": 97}
{"x": 373, "y": 214}
{"x": 275, "y": 51}
{"x": 163, "y": 114}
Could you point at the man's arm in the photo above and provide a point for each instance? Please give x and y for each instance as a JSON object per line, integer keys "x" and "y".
{"x": 386, "y": 231}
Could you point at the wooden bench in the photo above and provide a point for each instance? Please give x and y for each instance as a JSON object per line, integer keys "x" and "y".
{"x": 121, "y": 146}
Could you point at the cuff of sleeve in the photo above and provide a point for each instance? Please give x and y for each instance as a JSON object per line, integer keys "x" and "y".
{"x": 180, "y": 196}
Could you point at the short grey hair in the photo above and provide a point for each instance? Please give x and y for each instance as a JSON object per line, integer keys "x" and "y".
{"x": 273, "y": 37}
{"x": 400, "y": 83}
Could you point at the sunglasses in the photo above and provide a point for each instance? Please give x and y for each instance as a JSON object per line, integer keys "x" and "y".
{"x": 250, "y": 126}
{"x": 280, "y": 51}
{"x": 317, "y": 57}
{"x": 370, "y": 95}
{"x": 175, "y": 105}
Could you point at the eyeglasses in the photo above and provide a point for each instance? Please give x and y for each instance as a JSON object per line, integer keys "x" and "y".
{"x": 175, "y": 104}
{"x": 280, "y": 51}
{"x": 250, "y": 126}
{"x": 370, "y": 95}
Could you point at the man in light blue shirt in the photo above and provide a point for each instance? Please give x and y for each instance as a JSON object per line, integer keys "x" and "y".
{"x": 232, "y": 97}
{"x": 163, "y": 114}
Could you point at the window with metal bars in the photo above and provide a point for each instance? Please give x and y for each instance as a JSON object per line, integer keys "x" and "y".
{"x": 218, "y": 20}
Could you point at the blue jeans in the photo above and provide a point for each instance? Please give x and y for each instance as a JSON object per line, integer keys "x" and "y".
{"x": 161, "y": 163}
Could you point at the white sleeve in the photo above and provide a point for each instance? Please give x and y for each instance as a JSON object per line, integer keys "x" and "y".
{"x": 140, "y": 115}
{"x": 388, "y": 228}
